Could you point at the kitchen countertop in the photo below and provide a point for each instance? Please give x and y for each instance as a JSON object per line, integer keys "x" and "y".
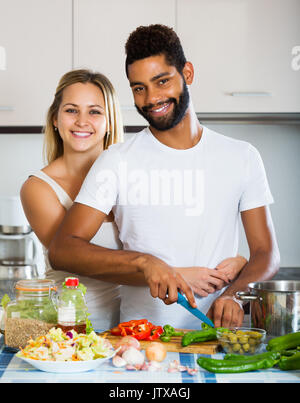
{"x": 14, "y": 370}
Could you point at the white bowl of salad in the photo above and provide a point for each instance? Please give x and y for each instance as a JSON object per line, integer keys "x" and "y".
{"x": 67, "y": 352}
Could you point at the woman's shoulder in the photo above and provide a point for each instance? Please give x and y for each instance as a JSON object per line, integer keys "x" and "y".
{"x": 36, "y": 186}
{"x": 34, "y": 190}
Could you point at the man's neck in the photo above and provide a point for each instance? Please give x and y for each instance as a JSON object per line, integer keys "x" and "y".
{"x": 183, "y": 136}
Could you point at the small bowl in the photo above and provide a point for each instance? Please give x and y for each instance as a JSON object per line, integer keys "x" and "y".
{"x": 241, "y": 340}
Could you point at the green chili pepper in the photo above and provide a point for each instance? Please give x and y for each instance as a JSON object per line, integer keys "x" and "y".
{"x": 274, "y": 355}
{"x": 290, "y": 363}
{"x": 285, "y": 342}
{"x": 169, "y": 332}
{"x": 165, "y": 338}
{"x": 233, "y": 367}
{"x": 288, "y": 353}
{"x": 169, "y": 329}
{"x": 197, "y": 336}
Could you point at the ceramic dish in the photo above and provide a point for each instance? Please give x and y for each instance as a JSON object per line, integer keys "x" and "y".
{"x": 67, "y": 366}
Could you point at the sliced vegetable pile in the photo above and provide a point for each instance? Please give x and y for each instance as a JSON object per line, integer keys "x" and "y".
{"x": 140, "y": 329}
{"x": 70, "y": 346}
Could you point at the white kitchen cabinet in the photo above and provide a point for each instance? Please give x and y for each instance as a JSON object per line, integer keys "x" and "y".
{"x": 101, "y": 29}
{"x": 36, "y": 36}
{"x": 242, "y": 51}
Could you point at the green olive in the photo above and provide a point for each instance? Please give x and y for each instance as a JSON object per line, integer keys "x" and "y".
{"x": 233, "y": 338}
{"x": 236, "y": 347}
{"x": 243, "y": 339}
{"x": 252, "y": 341}
{"x": 246, "y": 347}
{"x": 256, "y": 335}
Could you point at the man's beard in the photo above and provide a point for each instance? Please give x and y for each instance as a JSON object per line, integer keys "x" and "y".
{"x": 169, "y": 121}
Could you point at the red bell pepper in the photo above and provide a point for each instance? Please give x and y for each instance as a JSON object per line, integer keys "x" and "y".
{"x": 156, "y": 331}
{"x": 140, "y": 329}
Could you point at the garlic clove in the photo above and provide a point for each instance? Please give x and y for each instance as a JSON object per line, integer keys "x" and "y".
{"x": 118, "y": 361}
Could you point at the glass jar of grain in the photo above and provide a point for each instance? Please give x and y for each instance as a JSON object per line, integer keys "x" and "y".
{"x": 33, "y": 312}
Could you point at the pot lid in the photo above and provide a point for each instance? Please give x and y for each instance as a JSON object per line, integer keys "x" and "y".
{"x": 276, "y": 286}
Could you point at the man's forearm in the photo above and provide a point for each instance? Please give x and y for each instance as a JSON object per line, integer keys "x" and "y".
{"x": 261, "y": 266}
{"x": 86, "y": 259}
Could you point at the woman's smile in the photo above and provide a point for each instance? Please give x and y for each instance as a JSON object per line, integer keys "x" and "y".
{"x": 81, "y": 134}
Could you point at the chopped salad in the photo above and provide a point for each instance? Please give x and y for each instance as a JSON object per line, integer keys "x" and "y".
{"x": 70, "y": 346}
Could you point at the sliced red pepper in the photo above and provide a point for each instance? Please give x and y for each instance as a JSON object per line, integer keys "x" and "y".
{"x": 115, "y": 331}
{"x": 156, "y": 331}
{"x": 140, "y": 329}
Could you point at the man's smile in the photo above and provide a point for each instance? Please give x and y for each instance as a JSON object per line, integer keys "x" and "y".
{"x": 161, "y": 110}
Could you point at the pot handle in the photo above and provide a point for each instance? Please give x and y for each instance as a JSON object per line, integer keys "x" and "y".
{"x": 245, "y": 296}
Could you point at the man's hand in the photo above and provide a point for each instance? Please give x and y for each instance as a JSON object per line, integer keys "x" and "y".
{"x": 232, "y": 266}
{"x": 165, "y": 282}
{"x": 226, "y": 311}
{"x": 203, "y": 280}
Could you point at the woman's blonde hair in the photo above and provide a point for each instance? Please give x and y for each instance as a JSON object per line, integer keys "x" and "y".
{"x": 53, "y": 144}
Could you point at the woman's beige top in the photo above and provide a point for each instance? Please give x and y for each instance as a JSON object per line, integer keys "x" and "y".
{"x": 103, "y": 299}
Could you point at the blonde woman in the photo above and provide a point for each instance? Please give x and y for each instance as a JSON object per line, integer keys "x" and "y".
{"x": 83, "y": 120}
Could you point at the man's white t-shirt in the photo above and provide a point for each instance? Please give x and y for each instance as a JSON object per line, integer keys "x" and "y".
{"x": 181, "y": 206}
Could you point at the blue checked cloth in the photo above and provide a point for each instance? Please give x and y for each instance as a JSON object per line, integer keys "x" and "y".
{"x": 15, "y": 370}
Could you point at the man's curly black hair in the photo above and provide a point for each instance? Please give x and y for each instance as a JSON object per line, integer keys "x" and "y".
{"x": 154, "y": 40}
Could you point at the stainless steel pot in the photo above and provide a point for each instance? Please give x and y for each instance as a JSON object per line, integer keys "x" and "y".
{"x": 274, "y": 306}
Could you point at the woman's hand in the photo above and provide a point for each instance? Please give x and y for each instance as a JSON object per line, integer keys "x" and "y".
{"x": 232, "y": 266}
{"x": 203, "y": 280}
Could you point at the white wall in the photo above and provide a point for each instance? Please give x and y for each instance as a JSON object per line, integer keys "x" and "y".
{"x": 279, "y": 146}
{"x": 20, "y": 155}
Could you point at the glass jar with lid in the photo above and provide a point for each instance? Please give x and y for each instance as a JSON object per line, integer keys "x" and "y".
{"x": 32, "y": 314}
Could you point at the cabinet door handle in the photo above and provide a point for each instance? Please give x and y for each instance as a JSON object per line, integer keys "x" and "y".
{"x": 6, "y": 108}
{"x": 250, "y": 94}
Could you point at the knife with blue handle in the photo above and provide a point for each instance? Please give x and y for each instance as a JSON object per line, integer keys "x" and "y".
{"x": 200, "y": 315}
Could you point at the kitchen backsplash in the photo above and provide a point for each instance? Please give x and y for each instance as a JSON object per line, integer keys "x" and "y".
{"x": 279, "y": 146}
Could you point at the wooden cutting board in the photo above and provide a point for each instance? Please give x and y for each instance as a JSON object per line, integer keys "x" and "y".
{"x": 207, "y": 347}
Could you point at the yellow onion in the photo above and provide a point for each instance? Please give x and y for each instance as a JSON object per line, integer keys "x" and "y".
{"x": 156, "y": 352}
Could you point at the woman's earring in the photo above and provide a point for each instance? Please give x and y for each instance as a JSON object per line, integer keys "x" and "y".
{"x": 55, "y": 128}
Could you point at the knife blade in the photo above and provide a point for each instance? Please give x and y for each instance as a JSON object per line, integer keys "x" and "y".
{"x": 194, "y": 311}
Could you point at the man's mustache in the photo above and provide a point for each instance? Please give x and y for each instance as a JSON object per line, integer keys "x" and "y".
{"x": 148, "y": 107}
